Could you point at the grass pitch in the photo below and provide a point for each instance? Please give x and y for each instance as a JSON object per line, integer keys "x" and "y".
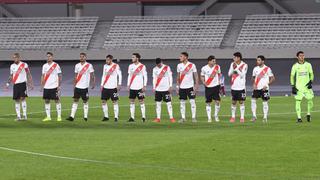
{"x": 281, "y": 149}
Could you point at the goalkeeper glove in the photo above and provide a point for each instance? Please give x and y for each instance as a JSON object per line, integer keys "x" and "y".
{"x": 309, "y": 84}
{"x": 294, "y": 90}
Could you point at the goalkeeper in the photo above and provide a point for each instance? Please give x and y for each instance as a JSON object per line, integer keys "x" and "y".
{"x": 301, "y": 79}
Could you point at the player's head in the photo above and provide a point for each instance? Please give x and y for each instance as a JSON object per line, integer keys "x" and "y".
{"x": 300, "y": 56}
{"x": 237, "y": 57}
{"x": 109, "y": 59}
{"x": 135, "y": 57}
{"x": 49, "y": 56}
{"x": 211, "y": 60}
{"x": 158, "y": 62}
{"x": 260, "y": 60}
{"x": 83, "y": 57}
{"x": 184, "y": 56}
{"x": 16, "y": 58}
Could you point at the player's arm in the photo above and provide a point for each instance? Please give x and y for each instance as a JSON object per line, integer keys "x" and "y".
{"x": 230, "y": 72}
{"x": 154, "y": 80}
{"x": 119, "y": 73}
{"x": 8, "y": 81}
{"x": 196, "y": 78}
{"x": 29, "y": 78}
{"x": 170, "y": 79}
{"x": 311, "y": 77}
{"x": 75, "y": 79}
{"x": 92, "y": 80}
{"x": 178, "y": 81}
{"x": 129, "y": 78}
{"x": 202, "y": 77}
{"x": 242, "y": 72}
{"x": 59, "y": 80}
{"x": 145, "y": 78}
{"x": 292, "y": 80}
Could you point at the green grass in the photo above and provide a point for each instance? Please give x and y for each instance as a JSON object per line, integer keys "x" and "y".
{"x": 280, "y": 149}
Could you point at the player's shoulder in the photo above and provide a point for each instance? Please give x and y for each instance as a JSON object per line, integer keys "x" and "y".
{"x": 204, "y": 67}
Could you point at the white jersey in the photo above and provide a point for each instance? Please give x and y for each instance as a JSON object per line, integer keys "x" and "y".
{"x": 84, "y": 81}
{"x": 22, "y": 76}
{"x": 140, "y": 79}
{"x": 53, "y": 80}
{"x": 188, "y": 81}
{"x": 115, "y": 76}
{"x": 262, "y": 78}
{"x": 166, "y": 81}
{"x": 206, "y": 71}
{"x": 238, "y": 76}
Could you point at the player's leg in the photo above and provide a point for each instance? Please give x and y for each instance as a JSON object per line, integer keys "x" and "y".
{"x": 192, "y": 100}
{"x": 265, "y": 99}
{"x": 76, "y": 97}
{"x": 85, "y": 100}
{"x": 233, "y": 106}
{"x": 242, "y": 106}
{"x": 58, "y": 108}
{"x": 142, "y": 105}
{"x": 255, "y": 96}
{"x": 298, "y": 97}
{"x": 132, "y": 97}
{"x": 167, "y": 100}
{"x": 105, "y": 96}
{"x": 158, "y": 98}
{"x": 17, "y": 107}
{"x": 46, "y": 97}
{"x": 208, "y": 95}
{"x": 217, "y": 99}
{"x": 16, "y": 98}
{"x": 23, "y": 100}
{"x": 115, "y": 99}
{"x": 183, "y": 98}
{"x": 309, "y": 97}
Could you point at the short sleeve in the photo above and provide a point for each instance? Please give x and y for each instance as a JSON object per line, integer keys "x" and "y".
{"x": 194, "y": 68}
{"x": 202, "y": 71}
{"x": 58, "y": 69}
{"x": 91, "y": 70}
{"x": 270, "y": 72}
{"x": 76, "y": 69}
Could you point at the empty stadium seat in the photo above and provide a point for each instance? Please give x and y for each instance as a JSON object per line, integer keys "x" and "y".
{"x": 163, "y": 32}
{"x": 46, "y": 32}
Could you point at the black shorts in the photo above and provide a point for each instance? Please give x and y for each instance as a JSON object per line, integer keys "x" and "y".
{"x": 162, "y": 96}
{"x": 112, "y": 94}
{"x": 264, "y": 95}
{"x": 212, "y": 93}
{"x": 81, "y": 93}
{"x": 238, "y": 95}
{"x": 187, "y": 93}
{"x": 19, "y": 90}
{"x": 51, "y": 94}
{"x": 136, "y": 94}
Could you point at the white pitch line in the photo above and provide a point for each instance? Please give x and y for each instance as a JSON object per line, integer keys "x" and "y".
{"x": 128, "y": 165}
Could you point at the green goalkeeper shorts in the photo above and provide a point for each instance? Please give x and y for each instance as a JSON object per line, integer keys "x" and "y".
{"x": 304, "y": 93}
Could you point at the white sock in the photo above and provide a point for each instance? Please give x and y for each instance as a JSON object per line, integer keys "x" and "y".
{"x": 58, "y": 106}
{"x": 105, "y": 110}
{"x": 254, "y": 107}
{"x": 74, "y": 109}
{"x": 116, "y": 110}
{"x": 216, "y": 110}
{"x": 193, "y": 108}
{"x": 85, "y": 109}
{"x": 47, "y": 107}
{"x": 265, "y": 109}
{"x": 158, "y": 109}
{"x": 169, "y": 107}
{"x": 17, "y": 106}
{"x": 183, "y": 109}
{"x": 242, "y": 109}
{"x": 208, "y": 108}
{"x": 143, "y": 110}
{"x": 24, "y": 108}
{"x": 233, "y": 110}
{"x": 132, "y": 110}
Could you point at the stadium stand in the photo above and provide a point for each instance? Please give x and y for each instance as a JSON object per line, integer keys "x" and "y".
{"x": 46, "y": 33}
{"x": 280, "y": 31}
{"x": 164, "y": 32}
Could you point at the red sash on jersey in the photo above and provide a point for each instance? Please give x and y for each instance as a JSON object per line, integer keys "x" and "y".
{"x": 16, "y": 75}
{"x": 111, "y": 70}
{"x": 47, "y": 75}
{"x": 184, "y": 72}
{"x": 212, "y": 75}
{"x": 261, "y": 74}
{"x": 234, "y": 76}
{"x": 83, "y": 70}
{"x": 160, "y": 76}
{"x": 139, "y": 68}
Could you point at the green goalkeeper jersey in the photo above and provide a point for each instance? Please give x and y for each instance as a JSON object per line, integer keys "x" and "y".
{"x": 301, "y": 74}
